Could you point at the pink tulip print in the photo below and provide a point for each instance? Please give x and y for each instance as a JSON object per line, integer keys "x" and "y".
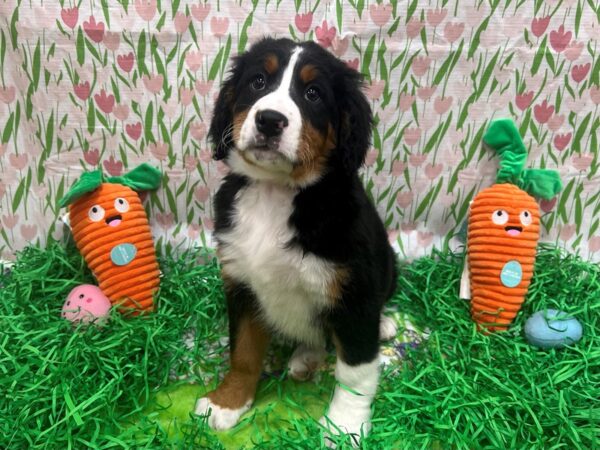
{"x": 559, "y": 39}
{"x": 146, "y": 9}
{"x": 425, "y": 93}
{"x": 574, "y": 50}
{"x": 159, "y": 150}
{"x": 82, "y": 90}
{"x": 442, "y": 104}
{"x": 153, "y": 83}
{"x": 594, "y": 244}
{"x": 18, "y": 162}
{"x": 86, "y": 86}
{"x": 105, "y": 101}
{"x": 134, "y": 131}
{"x": 186, "y": 96}
{"x": 190, "y": 162}
{"x": 303, "y": 22}
{"x": 412, "y": 136}
{"x": 325, "y": 34}
{"x": 181, "y": 22}
{"x": 200, "y": 11}
{"x": 433, "y": 171}
{"x": 219, "y": 26}
{"x": 375, "y": 89}
{"x": 121, "y": 112}
{"x": 398, "y": 168}
{"x": 436, "y": 16}
{"x": 203, "y": 87}
{"x": 562, "y": 140}
{"x": 380, "y": 13}
{"x": 539, "y": 25}
{"x": 125, "y": 62}
{"x": 111, "y": 41}
{"x": 198, "y": 130}
{"x": 555, "y": 122}
{"x": 371, "y": 157}
{"x": 113, "y": 167}
{"x": 579, "y": 72}
{"x": 453, "y": 31}
{"x": 405, "y": 102}
{"x": 94, "y": 30}
{"x": 404, "y": 199}
{"x": 10, "y": 220}
{"x": 548, "y": 205}
{"x": 417, "y": 159}
{"x": 413, "y": 28}
{"x": 92, "y": 156}
{"x": 70, "y": 16}
{"x": 29, "y": 232}
{"x": 7, "y": 94}
{"x": 193, "y": 60}
{"x": 543, "y": 111}
{"x": 420, "y": 65}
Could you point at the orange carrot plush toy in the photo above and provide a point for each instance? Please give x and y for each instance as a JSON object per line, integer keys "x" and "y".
{"x": 503, "y": 230}
{"x": 111, "y": 230}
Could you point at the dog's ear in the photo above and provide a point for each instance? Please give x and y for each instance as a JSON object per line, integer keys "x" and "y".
{"x": 356, "y": 120}
{"x": 221, "y": 126}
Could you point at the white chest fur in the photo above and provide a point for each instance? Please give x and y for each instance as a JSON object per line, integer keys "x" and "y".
{"x": 291, "y": 287}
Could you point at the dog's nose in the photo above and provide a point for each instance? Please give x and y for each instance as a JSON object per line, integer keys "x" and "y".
{"x": 270, "y": 123}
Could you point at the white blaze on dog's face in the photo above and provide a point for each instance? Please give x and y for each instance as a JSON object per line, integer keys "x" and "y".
{"x": 273, "y": 121}
{"x": 289, "y": 112}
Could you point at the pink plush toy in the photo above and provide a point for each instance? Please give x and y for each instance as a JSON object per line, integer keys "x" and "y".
{"x": 86, "y": 303}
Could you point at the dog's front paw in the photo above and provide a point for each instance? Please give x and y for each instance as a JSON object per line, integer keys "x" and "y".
{"x": 356, "y": 426}
{"x": 220, "y": 418}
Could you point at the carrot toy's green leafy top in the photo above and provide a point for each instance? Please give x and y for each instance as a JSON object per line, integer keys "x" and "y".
{"x": 142, "y": 178}
{"x": 503, "y": 136}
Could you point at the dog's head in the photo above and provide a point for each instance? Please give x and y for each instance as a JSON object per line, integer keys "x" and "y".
{"x": 291, "y": 112}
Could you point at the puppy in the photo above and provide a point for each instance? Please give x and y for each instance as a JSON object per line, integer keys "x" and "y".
{"x": 304, "y": 253}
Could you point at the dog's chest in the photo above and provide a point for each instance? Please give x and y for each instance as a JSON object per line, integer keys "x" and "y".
{"x": 291, "y": 286}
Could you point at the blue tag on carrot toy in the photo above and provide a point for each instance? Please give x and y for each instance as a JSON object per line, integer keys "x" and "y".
{"x": 123, "y": 254}
{"x": 511, "y": 274}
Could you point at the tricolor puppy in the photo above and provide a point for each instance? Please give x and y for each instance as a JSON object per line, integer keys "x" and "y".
{"x": 304, "y": 254}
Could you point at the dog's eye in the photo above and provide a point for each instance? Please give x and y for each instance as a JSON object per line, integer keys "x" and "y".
{"x": 258, "y": 83}
{"x": 312, "y": 95}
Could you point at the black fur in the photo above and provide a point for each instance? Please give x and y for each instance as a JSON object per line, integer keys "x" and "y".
{"x": 332, "y": 218}
{"x": 222, "y": 120}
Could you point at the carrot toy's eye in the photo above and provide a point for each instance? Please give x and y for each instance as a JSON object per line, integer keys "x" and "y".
{"x": 499, "y": 217}
{"x": 525, "y": 217}
{"x": 121, "y": 205}
{"x": 96, "y": 213}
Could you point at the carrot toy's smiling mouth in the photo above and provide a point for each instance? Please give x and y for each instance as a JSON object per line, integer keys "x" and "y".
{"x": 513, "y": 231}
{"x": 114, "y": 221}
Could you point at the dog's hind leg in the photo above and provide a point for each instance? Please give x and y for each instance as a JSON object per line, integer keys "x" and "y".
{"x": 305, "y": 361}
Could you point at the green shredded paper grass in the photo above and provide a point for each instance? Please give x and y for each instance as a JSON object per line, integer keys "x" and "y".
{"x": 133, "y": 382}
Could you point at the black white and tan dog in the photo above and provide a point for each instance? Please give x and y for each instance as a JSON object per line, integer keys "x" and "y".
{"x": 303, "y": 251}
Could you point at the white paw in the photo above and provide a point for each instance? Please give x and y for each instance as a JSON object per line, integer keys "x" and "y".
{"x": 305, "y": 361}
{"x": 387, "y": 328}
{"x": 348, "y": 424}
{"x": 220, "y": 418}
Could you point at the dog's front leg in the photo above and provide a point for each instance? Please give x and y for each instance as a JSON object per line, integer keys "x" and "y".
{"x": 248, "y": 342}
{"x": 356, "y": 338}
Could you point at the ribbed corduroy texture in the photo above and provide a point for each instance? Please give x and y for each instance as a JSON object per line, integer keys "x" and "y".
{"x": 132, "y": 285}
{"x": 490, "y": 247}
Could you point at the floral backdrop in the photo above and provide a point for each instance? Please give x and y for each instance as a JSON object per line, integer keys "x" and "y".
{"x": 112, "y": 83}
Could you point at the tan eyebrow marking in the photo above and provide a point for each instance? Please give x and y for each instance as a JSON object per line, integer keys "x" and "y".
{"x": 308, "y": 73}
{"x": 271, "y": 63}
